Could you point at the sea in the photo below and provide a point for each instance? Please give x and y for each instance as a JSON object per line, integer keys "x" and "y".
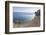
{"x": 22, "y": 16}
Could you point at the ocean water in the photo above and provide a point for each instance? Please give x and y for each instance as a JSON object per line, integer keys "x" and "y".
{"x": 21, "y": 16}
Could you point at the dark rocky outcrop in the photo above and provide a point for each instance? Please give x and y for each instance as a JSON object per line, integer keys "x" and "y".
{"x": 37, "y": 13}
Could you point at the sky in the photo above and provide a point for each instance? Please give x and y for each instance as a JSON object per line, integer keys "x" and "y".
{"x": 25, "y": 9}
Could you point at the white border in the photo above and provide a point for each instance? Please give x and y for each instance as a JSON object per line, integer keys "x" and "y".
{"x": 11, "y": 29}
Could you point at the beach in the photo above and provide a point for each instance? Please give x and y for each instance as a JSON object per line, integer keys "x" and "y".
{"x": 33, "y": 23}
